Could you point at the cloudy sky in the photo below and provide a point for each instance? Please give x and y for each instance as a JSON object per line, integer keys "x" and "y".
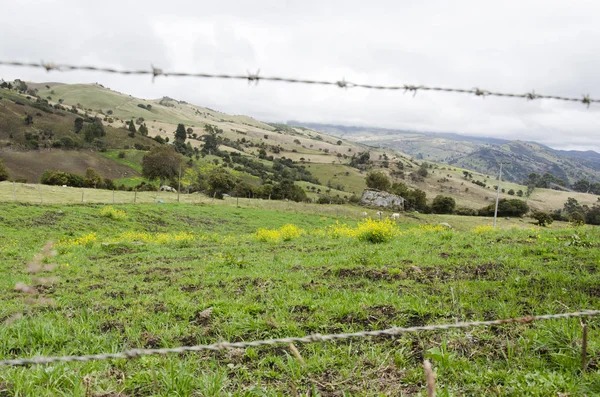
{"x": 550, "y": 46}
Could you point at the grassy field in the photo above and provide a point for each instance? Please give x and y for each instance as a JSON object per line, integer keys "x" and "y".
{"x": 146, "y": 275}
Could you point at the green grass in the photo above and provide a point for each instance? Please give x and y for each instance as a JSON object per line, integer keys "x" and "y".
{"x": 136, "y": 284}
{"x": 132, "y": 159}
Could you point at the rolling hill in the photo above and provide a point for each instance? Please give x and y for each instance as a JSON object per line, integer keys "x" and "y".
{"x": 317, "y": 157}
{"x": 479, "y": 154}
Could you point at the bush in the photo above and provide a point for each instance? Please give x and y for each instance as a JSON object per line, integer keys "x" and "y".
{"x": 354, "y": 199}
{"x": 285, "y": 233}
{"x": 506, "y": 207}
{"x": 58, "y": 178}
{"x": 577, "y": 218}
{"x": 543, "y": 218}
{"x": 112, "y": 213}
{"x": 376, "y": 231}
{"x": 592, "y": 217}
{"x": 4, "y": 176}
{"x": 378, "y": 180}
{"x": 443, "y": 205}
{"x": 67, "y": 142}
{"x": 122, "y": 155}
{"x": 464, "y": 211}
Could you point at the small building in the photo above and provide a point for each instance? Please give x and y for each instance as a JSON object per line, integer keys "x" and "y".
{"x": 378, "y": 198}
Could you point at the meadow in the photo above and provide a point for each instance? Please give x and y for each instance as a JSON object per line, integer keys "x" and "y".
{"x": 94, "y": 278}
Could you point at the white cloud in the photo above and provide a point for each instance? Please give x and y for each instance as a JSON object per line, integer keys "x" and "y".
{"x": 514, "y": 46}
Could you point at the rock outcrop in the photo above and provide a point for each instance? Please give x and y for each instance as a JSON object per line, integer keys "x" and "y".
{"x": 376, "y": 198}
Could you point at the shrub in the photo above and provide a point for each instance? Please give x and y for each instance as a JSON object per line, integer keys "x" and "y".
{"x": 577, "y": 218}
{"x": 543, "y": 218}
{"x": 67, "y": 142}
{"x": 285, "y": 233}
{"x": 506, "y": 207}
{"x": 376, "y": 231}
{"x": 4, "y": 176}
{"x": 464, "y": 211}
{"x": 112, "y": 213}
{"x": 443, "y": 205}
{"x": 592, "y": 217}
{"x": 122, "y": 155}
{"x": 378, "y": 180}
{"x": 354, "y": 199}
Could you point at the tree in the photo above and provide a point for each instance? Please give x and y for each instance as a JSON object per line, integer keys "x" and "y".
{"x": 417, "y": 200}
{"x": 506, "y": 207}
{"x": 92, "y": 178}
{"x": 423, "y": 171}
{"x": 443, "y": 205}
{"x": 572, "y": 206}
{"x": 592, "y": 217}
{"x": 519, "y": 193}
{"x": 28, "y": 119}
{"x": 378, "y": 180}
{"x": 577, "y": 218}
{"x": 511, "y": 192}
{"x": 582, "y": 185}
{"x": 211, "y": 144}
{"x": 4, "y": 175}
{"x": 78, "y": 125}
{"x": 143, "y": 130}
{"x": 161, "y": 163}
{"x": 286, "y": 189}
{"x": 543, "y": 218}
{"x": 339, "y": 142}
{"x": 93, "y": 130}
{"x": 530, "y": 189}
{"x": 467, "y": 175}
{"x": 21, "y": 85}
{"x": 132, "y": 127}
{"x": 220, "y": 182}
{"x": 180, "y": 134}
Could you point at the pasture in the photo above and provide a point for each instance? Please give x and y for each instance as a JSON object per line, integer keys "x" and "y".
{"x": 166, "y": 275}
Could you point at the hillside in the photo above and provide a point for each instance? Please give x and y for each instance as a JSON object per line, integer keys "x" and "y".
{"x": 28, "y": 148}
{"x": 527, "y": 157}
{"x": 259, "y": 154}
{"x": 479, "y": 154}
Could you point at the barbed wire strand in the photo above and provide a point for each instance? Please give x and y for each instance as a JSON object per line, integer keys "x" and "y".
{"x": 256, "y": 77}
{"x": 128, "y": 354}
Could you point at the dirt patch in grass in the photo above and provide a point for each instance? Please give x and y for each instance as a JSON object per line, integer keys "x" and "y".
{"x": 112, "y": 325}
{"x": 6, "y": 389}
{"x": 371, "y": 274}
{"x": 48, "y": 218}
{"x": 190, "y": 287}
{"x": 150, "y": 341}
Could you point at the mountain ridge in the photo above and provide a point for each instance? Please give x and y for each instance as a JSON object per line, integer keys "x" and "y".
{"x": 477, "y": 153}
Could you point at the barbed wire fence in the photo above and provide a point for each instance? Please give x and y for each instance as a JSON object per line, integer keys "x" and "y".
{"x": 155, "y": 72}
{"x": 395, "y": 331}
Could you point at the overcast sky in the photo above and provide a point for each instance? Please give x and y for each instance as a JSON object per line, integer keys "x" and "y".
{"x": 550, "y": 46}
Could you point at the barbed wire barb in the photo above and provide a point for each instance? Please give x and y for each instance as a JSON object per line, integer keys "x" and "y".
{"x": 255, "y": 77}
{"x": 134, "y": 353}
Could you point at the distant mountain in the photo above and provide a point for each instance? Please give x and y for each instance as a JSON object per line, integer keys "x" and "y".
{"x": 479, "y": 154}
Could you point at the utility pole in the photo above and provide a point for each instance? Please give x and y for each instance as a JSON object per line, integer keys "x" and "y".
{"x": 498, "y": 193}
